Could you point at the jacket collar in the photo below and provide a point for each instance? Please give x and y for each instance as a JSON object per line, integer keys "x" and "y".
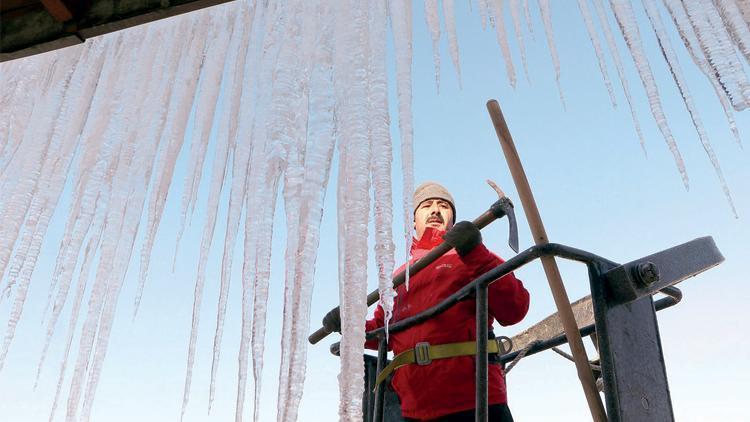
{"x": 430, "y": 238}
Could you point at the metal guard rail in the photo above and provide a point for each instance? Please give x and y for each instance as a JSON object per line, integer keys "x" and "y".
{"x": 598, "y": 268}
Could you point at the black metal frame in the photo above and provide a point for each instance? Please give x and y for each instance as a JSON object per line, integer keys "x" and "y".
{"x": 633, "y": 371}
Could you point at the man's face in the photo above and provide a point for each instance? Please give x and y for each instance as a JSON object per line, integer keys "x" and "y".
{"x": 435, "y": 213}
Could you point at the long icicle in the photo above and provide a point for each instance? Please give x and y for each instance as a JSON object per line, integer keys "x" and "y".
{"x": 719, "y": 52}
{"x": 450, "y": 29}
{"x": 349, "y": 62}
{"x": 381, "y": 156}
{"x": 400, "y": 16}
{"x": 502, "y": 39}
{"x": 674, "y": 67}
{"x": 586, "y": 13}
{"x": 433, "y": 24}
{"x": 76, "y": 115}
{"x": 173, "y": 136}
{"x": 515, "y": 13}
{"x": 163, "y": 112}
{"x": 213, "y": 76}
{"x": 544, "y": 8}
{"x": 205, "y": 107}
{"x": 738, "y": 28}
{"x": 21, "y": 198}
{"x": 116, "y": 153}
{"x": 317, "y": 163}
{"x": 288, "y": 128}
{"x": 234, "y": 74}
{"x": 263, "y": 178}
{"x": 690, "y": 40}
{"x": 604, "y": 24}
{"x": 134, "y": 194}
{"x": 253, "y": 103}
{"x": 628, "y": 27}
{"x": 527, "y": 15}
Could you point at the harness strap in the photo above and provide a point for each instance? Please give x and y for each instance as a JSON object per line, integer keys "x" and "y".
{"x": 424, "y": 353}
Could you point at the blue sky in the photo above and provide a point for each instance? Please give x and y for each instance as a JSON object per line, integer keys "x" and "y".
{"x": 595, "y": 190}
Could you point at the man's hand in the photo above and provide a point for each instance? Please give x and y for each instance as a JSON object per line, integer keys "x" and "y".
{"x": 464, "y": 237}
{"x": 332, "y": 321}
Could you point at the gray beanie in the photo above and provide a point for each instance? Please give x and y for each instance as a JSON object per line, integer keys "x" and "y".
{"x": 431, "y": 190}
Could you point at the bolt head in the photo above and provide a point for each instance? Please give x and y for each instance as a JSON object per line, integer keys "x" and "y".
{"x": 647, "y": 273}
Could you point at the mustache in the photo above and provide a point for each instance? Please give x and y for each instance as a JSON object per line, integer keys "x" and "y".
{"x": 437, "y": 217}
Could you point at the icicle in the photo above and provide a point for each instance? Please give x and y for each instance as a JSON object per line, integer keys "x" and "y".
{"x": 24, "y": 89}
{"x": 738, "y": 28}
{"x": 400, "y": 15}
{"x": 22, "y": 177}
{"x": 583, "y": 6}
{"x": 208, "y": 93}
{"x": 132, "y": 197}
{"x": 212, "y": 77}
{"x": 433, "y": 24}
{"x": 260, "y": 204}
{"x": 173, "y": 134}
{"x": 318, "y": 154}
{"x": 92, "y": 166}
{"x": 240, "y": 182}
{"x": 232, "y": 93}
{"x": 262, "y": 276}
{"x": 688, "y": 36}
{"x": 527, "y": 15}
{"x": 156, "y": 129}
{"x": 604, "y": 24}
{"x": 516, "y": 15}
{"x": 51, "y": 178}
{"x": 629, "y": 28}
{"x": 130, "y": 165}
{"x": 450, "y": 28}
{"x": 547, "y": 19}
{"x": 381, "y": 154}
{"x": 716, "y": 45}
{"x": 68, "y": 125}
{"x": 28, "y": 172}
{"x": 351, "y": 91}
{"x": 674, "y": 67}
{"x": 75, "y": 313}
{"x": 502, "y": 39}
{"x": 287, "y": 128}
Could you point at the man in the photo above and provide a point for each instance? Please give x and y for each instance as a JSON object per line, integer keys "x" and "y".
{"x": 444, "y": 389}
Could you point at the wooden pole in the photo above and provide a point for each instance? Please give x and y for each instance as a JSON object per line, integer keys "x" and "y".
{"x": 550, "y": 266}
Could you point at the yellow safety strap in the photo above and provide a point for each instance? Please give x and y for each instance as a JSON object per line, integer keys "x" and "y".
{"x": 425, "y": 353}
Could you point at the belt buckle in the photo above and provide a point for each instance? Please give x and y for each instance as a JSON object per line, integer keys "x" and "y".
{"x": 422, "y": 353}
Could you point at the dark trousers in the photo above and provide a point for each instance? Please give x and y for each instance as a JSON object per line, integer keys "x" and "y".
{"x": 497, "y": 413}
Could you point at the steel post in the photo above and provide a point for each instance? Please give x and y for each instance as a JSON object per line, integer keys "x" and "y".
{"x": 481, "y": 357}
{"x": 380, "y": 389}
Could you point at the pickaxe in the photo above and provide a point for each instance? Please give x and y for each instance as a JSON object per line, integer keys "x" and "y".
{"x": 502, "y": 207}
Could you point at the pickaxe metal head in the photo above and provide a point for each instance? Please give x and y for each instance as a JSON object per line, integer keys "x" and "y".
{"x": 504, "y": 207}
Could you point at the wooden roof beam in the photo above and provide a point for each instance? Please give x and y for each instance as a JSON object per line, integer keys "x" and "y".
{"x": 58, "y": 9}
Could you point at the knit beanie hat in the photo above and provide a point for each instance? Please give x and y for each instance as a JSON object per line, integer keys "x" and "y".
{"x": 433, "y": 190}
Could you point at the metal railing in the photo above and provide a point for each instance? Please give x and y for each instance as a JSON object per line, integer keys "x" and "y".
{"x": 477, "y": 289}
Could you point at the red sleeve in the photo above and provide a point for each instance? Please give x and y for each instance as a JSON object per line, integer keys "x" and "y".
{"x": 508, "y": 299}
{"x": 372, "y": 324}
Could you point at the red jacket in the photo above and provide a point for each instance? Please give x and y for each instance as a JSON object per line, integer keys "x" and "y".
{"x": 447, "y": 385}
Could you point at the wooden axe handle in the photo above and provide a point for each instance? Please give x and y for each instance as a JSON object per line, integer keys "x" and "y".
{"x": 550, "y": 266}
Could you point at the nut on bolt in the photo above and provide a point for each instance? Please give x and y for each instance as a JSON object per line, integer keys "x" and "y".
{"x": 646, "y": 273}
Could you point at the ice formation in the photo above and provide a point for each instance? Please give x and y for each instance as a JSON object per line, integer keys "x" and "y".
{"x": 272, "y": 89}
